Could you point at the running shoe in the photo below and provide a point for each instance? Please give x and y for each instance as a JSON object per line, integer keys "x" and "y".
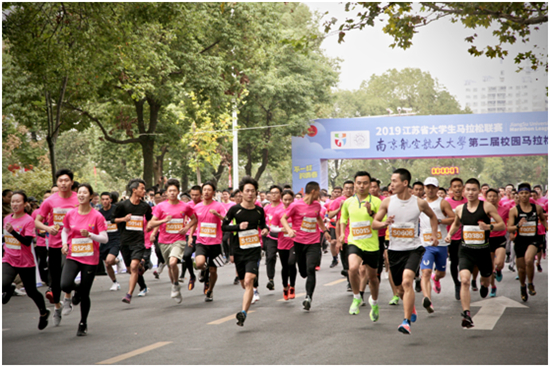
{"x": 161, "y": 268}
{"x": 474, "y": 286}
{"x": 191, "y": 284}
{"x": 291, "y": 293}
{"x": 437, "y": 284}
{"x": 67, "y": 307}
{"x": 270, "y": 285}
{"x": 507, "y": 258}
{"x": 206, "y": 286}
{"x": 57, "y": 316}
{"x": 348, "y": 287}
{"x": 334, "y": 263}
{"x": 49, "y": 295}
{"x": 375, "y": 311}
{"x": 467, "y": 321}
{"x": 115, "y": 287}
{"x": 156, "y": 274}
{"x": 175, "y": 290}
{"x": 307, "y": 303}
{"x": 457, "y": 292}
{"x": 236, "y": 281}
{"x": 354, "y": 308}
{"x": 241, "y": 317}
{"x": 531, "y": 288}
{"x": 6, "y": 296}
{"x": 517, "y": 277}
{"x": 524, "y": 296}
{"x": 76, "y": 298}
{"x": 493, "y": 292}
{"x": 209, "y": 297}
{"x": 20, "y": 292}
{"x": 483, "y": 291}
{"x": 539, "y": 268}
{"x": 498, "y": 275}
{"x": 427, "y": 303}
{"x": 394, "y": 301}
{"x": 43, "y": 320}
{"x": 143, "y": 292}
{"x": 511, "y": 267}
{"x": 285, "y": 294}
{"x": 255, "y": 297}
{"x": 344, "y": 273}
{"x": 82, "y": 330}
{"x": 317, "y": 268}
{"x": 405, "y": 327}
{"x": 181, "y": 280}
{"x": 417, "y": 286}
{"x": 127, "y": 298}
{"x": 413, "y": 316}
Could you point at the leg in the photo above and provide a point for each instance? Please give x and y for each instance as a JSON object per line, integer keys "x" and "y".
{"x": 200, "y": 260}
{"x": 530, "y": 262}
{"x": 134, "y": 275}
{"x": 344, "y": 256}
{"x": 86, "y": 282}
{"x": 42, "y": 257}
{"x": 70, "y": 271}
{"x": 271, "y": 257}
{"x": 408, "y": 292}
{"x": 465, "y": 276}
{"x": 248, "y": 285}
{"x": 293, "y": 272}
{"x": 355, "y": 262}
{"x": 54, "y": 264}
{"x": 312, "y": 255}
{"x": 173, "y": 270}
{"x": 283, "y": 255}
{"x": 8, "y": 275}
{"x": 109, "y": 262}
{"x": 28, "y": 277}
{"x": 299, "y": 250}
{"x": 213, "y": 277}
{"x": 426, "y": 284}
{"x": 453, "y": 255}
{"x": 520, "y": 264}
{"x": 374, "y": 283}
{"x": 187, "y": 258}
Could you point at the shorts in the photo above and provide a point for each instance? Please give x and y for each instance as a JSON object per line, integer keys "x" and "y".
{"x": 135, "y": 252}
{"x": 108, "y": 248}
{"x": 247, "y": 261}
{"x": 172, "y": 250}
{"x": 497, "y": 242}
{"x": 434, "y": 255}
{"x": 147, "y": 259}
{"x": 369, "y": 258}
{"x": 541, "y": 241}
{"x": 332, "y": 232}
{"x": 401, "y": 260}
{"x": 468, "y": 258}
{"x": 521, "y": 248}
{"x": 209, "y": 251}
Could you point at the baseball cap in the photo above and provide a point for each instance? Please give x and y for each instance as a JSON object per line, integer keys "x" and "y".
{"x": 431, "y": 181}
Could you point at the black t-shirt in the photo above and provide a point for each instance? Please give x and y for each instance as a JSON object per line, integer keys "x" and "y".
{"x": 114, "y": 237}
{"x": 132, "y": 233}
{"x": 255, "y": 218}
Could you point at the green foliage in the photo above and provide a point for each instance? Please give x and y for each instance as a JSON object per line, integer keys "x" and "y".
{"x": 33, "y": 182}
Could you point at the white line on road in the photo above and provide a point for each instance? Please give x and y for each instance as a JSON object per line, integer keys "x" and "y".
{"x": 134, "y": 353}
{"x": 335, "y": 282}
{"x": 228, "y": 318}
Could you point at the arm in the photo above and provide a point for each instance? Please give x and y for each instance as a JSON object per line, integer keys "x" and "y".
{"x": 192, "y": 224}
{"x": 493, "y": 213}
{"x": 226, "y": 224}
{"x": 332, "y": 213}
{"x": 511, "y": 219}
{"x": 425, "y": 208}
{"x": 39, "y": 225}
{"x": 25, "y": 240}
{"x": 155, "y": 222}
{"x": 377, "y": 220}
{"x": 286, "y": 227}
{"x": 321, "y": 225}
{"x": 341, "y": 226}
{"x": 263, "y": 225}
{"x": 64, "y": 239}
{"x": 456, "y": 224}
{"x": 102, "y": 237}
{"x": 449, "y": 213}
{"x": 542, "y": 216}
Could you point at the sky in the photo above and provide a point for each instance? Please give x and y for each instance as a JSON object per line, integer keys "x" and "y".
{"x": 439, "y": 48}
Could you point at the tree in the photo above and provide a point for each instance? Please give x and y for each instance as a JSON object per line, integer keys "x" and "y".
{"x": 512, "y": 22}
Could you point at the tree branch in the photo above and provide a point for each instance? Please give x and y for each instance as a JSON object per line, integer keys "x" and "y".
{"x": 209, "y": 47}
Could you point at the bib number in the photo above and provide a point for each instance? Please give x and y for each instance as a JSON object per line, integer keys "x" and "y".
{"x": 174, "y": 226}
{"x": 249, "y": 239}
{"x": 208, "y": 230}
{"x": 309, "y": 225}
{"x": 135, "y": 223}
{"x": 11, "y": 242}
{"x": 111, "y": 227}
{"x": 81, "y": 247}
{"x": 403, "y": 231}
{"x": 474, "y": 235}
{"x": 428, "y": 236}
{"x": 59, "y": 215}
{"x": 528, "y": 229}
{"x": 361, "y": 230}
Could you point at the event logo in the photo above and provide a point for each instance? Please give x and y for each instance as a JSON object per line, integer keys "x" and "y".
{"x": 350, "y": 140}
{"x": 340, "y": 139}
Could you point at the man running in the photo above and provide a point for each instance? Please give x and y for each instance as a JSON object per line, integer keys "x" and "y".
{"x": 270, "y": 242}
{"x": 475, "y": 218}
{"x": 457, "y": 186}
{"x": 497, "y": 240}
{"x": 195, "y": 194}
{"x": 108, "y": 252}
{"x": 405, "y": 249}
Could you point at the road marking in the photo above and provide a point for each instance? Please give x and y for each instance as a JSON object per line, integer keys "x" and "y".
{"x": 491, "y": 310}
{"x": 296, "y": 295}
{"x": 335, "y": 282}
{"x": 134, "y": 353}
{"x": 5, "y": 329}
{"x": 228, "y": 318}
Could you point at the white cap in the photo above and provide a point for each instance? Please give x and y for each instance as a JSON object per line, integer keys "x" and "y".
{"x": 431, "y": 181}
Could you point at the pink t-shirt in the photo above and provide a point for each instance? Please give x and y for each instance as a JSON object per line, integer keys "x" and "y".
{"x": 503, "y": 212}
{"x": 55, "y": 208}
{"x": 209, "y": 226}
{"x": 228, "y": 205}
{"x": 192, "y": 206}
{"x": 168, "y": 232}
{"x": 147, "y": 238}
{"x": 16, "y": 254}
{"x": 269, "y": 213}
{"x": 84, "y": 249}
{"x": 40, "y": 241}
{"x": 283, "y": 241}
{"x": 304, "y": 219}
{"x": 540, "y": 228}
{"x": 336, "y": 203}
{"x": 454, "y": 204}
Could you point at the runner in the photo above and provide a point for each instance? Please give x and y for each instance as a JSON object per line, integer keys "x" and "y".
{"x": 84, "y": 229}
{"x": 497, "y": 240}
{"x": 18, "y": 259}
{"x": 169, "y": 215}
{"x": 246, "y": 249}
{"x": 195, "y": 194}
{"x": 475, "y": 217}
{"x": 541, "y": 230}
{"x": 129, "y": 215}
{"x": 523, "y": 219}
{"x": 441, "y": 192}
{"x": 434, "y": 255}
{"x": 41, "y": 248}
{"x": 108, "y": 252}
{"x": 270, "y": 242}
{"x": 457, "y": 187}
{"x": 305, "y": 216}
{"x": 336, "y": 193}
{"x": 364, "y": 247}
{"x": 209, "y": 214}
{"x": 405, "y": 249}
{"x": 54, "y": 209}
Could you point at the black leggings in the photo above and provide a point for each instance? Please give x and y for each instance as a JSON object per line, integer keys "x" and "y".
{"x": 288, "y": 261}
{"x": 160, "y": 259}
{"x": 381, "y": 249}
{"x": 28, "y": 277}
{"x": 270, "y": 246}
{"x": 307, "y": 258}
{"x": 453, "y": 256}
{"x": 87, "y": 275}
{"x": 187, "y": 258}
{"x": 344, "y": 256}
{"x": 55, "y": 259}
{"x": 42, "y": 258}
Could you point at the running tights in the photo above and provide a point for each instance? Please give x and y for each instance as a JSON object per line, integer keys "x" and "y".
{"x": 307, "y": 258}
{"x": 42, "y": 258}
{"x": 28, "y": 277}
{"x": 270, "y": 246}
{"x": 55, "y": 266}
{"x": 453, "y": 256}
{"x": 288, "y": 261}
{"x": 87, "y": 275}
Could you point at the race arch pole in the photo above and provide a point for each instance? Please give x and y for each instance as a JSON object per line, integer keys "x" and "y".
{"x": 235, "y": 148}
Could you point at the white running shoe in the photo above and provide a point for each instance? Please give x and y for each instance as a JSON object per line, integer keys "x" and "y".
{"x": 57, "y": 316}
{"x": 115, "y": 287}
{"x": 144, "y": 292}
{"x": 67, "y": 306}
{"x": 175, "y": 291}
{"x": 256, "y": 297}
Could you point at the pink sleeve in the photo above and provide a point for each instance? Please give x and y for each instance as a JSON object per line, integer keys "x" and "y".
{"x": 188, "y": 211}
{"x": 44, "y": 209}
{"x": 157, "y": 212}
{"x": 66, "y": 222}
{"x": 101, "y": 223}
{"x": 29, "y": 229}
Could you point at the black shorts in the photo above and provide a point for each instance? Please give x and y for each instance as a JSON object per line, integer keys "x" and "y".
{"x": 401, "y": 260}
{"x": 497, "y": 242}
{"x": 370, "y": 258}
{"x": 209, "y": 251}
{"x": 541, "y": 241}
{"x": 108, "y": 248}
{"x": 135, "y": 252}
{"x": 147, "y": 258}
{"x": 247, "y": 261}
{"x": 332, "y": 232}
{"x": 521, "y": 247}
{"x": 468, "y": 258}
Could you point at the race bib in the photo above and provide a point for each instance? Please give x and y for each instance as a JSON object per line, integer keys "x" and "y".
{"x": 473, "y": 235}
{"x": 59, "y": 215}
{"x": 135, "y": 223}
{"x": 428, "y": 236}
{"x": 111, "y": 227}
{"x": 249, "y": 239}
{"x": 11, "y": 242}
{"x": 528, "y": 229}
{"x": 174, "y": 226}
{"x": 309, "y": 225}
{"x": 361, "y": 230}
{"x": 208, "y": 230}
{"x": 403, "y": 231}
{"x": 81, "y": 247}
{"x": 387, "y": 236}
{"x": 269, "y": 219}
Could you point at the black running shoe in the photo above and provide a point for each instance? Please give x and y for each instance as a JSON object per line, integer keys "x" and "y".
{"x": 524, "y": 296}
{"x": 209, "y": 297}
{"x": 270, "y": 285}
{"x": 344, "y": 273}
{"x": 457, "y": 292}
{"x": 236, "y": 280}
{"x": 467, "y": 321}
{"x": 43, "y": 320}
{"x": 334, "y": 263}
{"x": 417, "y": 286}
{"x": 474, "y": 286}
{"x": 531, "y": 288}
{"x": 241, "y": 316}
{"x": 539, "y": 268}
{"x": 483, "y": 291}
{"x": 76, "y": 298}
{"x": 307, "y": 303}
{"x": 6, "y": 296}
{"x": 82, "y": 330}
{"x": 428, "y": 305}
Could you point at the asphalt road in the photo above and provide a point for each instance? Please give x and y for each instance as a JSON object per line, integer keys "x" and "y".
{"x": 156, "y": 330}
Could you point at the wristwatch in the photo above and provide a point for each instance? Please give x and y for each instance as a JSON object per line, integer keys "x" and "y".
{"x": 439, "y": 221}
{"x": 491, "y": 227}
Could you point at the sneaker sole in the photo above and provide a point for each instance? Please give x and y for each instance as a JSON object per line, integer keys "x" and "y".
{"x": 240, "y": 319}
{"x": 467, "y": 325}
{"x": 374, "y": 317}
{"x": 401, "y": 329}
{"x": 307, "y": 305}
{"x": 49, "y": 296}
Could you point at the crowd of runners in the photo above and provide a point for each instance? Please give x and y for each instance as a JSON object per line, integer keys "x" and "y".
{"x": 408, "y": 229}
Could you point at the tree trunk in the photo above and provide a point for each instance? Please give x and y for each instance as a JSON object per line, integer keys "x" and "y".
{"x": 184, "y": 182}
{"x": 51, "y": 147}
{"x": 159, "y": 163}
{"x": 263, "y": 166}
{"x": 147, "y": 149}
{"x": 219, "y": 172}
{"x": 248, "y": 167}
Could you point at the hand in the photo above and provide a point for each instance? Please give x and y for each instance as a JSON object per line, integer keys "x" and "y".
{"x": 522, "y": 221}
{"x": 153, "y": 237}
{"x": 265, "y": 232}
{"x": 190, "y": 242}
{"x": 338, "y": 246}
{"x": 390, "y": 220}
{"x": 167, "y": 219}
{"x": 8, "y": 227}
{"x": 231, "y": 258}
{"x": 212, "y": 211}
{"x": 340, "y": 239}
{"x": 183, "y": 231}
{"x": 327, "y": 236}
{"x": 291, "y": 234}
{"x": 484, "y": 226}
{"x": 53, "y": 230}
{"x": 448, "y": 238}
{"x": 127, "y": 218}
{"x": 243, "y": 225}
{"x": 65, "y": 249}
{"x": 84, "y": 233}
{"x": 436, "y": 241}
{"x": 368, "y": 207}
